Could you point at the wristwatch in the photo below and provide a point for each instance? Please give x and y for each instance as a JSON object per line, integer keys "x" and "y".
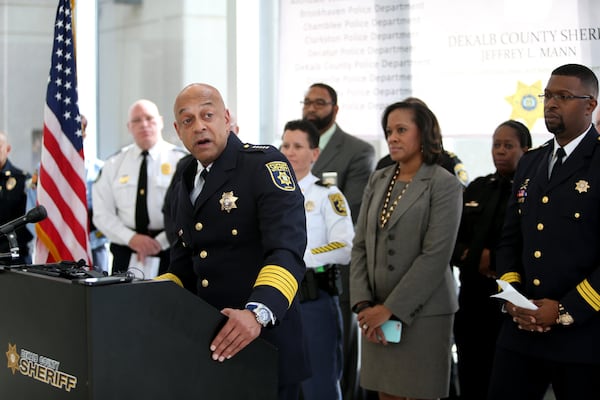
{"x": 564, "y": 318}
{"x": 263, "y": 316}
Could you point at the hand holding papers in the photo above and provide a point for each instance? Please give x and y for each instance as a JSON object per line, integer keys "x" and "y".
{"x": 510, "y": 294}
{"x": 146, "y": 270}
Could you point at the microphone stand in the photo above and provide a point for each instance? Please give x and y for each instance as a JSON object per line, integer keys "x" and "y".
{"x": 13, "y": 254}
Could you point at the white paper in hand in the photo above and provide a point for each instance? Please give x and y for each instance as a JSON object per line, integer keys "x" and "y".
{"x": 509, "y": 293}
{"x": 146, "y": 270}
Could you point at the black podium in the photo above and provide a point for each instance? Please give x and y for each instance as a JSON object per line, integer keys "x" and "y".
{"x": 140, "y": 340}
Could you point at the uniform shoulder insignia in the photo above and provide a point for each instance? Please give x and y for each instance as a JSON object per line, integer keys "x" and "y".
{"x": 252, "y": 148}
{"x": 281, "y": 175}
{"x": 461, "y": 174}
{"x": 321, "y": 183}
{"x": 179, "y": 149}
{"x": 116, "y": 153}
{"x": 539, "y": 147}
{"x": 338, "y": 203}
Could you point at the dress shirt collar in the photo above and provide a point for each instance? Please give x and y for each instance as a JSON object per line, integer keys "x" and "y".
{"x": 569, "y": 147}
{"x": 326, "y": 136}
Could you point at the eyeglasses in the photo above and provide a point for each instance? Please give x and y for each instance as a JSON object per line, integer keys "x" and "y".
{"x": 562, "y": 97}
{"x": 319, "y": 103}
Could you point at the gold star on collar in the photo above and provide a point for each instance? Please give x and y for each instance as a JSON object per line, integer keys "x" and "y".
{"x": 582, "y": 186}
{"x": 228, "y": 201}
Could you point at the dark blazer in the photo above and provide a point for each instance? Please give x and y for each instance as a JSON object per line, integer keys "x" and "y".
{"x": 550, "y": 248}
{"x": 243, "y": 241}
{"x": 353, "y": 159}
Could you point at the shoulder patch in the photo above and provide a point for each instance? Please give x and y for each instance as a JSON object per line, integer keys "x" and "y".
{"x": 461, "y": 174}
{"x": 281, "y": 175}
{"x": 338, "y": 203}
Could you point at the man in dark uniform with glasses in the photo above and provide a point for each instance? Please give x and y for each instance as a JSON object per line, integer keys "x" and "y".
{"x": 549, "y": 251}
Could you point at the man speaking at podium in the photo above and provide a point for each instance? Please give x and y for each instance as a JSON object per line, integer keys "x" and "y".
{"x": 240, "y": 234}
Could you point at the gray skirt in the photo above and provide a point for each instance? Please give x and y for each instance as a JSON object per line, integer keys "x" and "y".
{"x": 418, "y": 366}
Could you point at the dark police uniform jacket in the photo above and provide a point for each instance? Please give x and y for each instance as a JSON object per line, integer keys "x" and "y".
{"x": 13, "y": 201}
{"x": 243, "y": 241}
{"x": 550, "y": 248}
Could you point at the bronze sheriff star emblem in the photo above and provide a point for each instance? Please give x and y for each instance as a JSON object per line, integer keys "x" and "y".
{"x": 582, "y": 186}
{"x": 228, "y": 201}
{"x": 13, "y": 358}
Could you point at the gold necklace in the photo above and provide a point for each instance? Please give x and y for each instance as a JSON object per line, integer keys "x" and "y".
{"x": 385, "y": 212}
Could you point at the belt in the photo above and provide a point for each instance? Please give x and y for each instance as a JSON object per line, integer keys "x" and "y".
{"x": 152, "y": 233}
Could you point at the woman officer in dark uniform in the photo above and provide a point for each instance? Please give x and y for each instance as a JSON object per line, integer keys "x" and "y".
{"x": 484, "y": 207}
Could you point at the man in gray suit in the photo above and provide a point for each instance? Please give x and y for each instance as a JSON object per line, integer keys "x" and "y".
{"x": 353, "y": 160}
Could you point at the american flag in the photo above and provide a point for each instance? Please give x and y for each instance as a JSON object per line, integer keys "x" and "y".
{"x": 63, "y": 235}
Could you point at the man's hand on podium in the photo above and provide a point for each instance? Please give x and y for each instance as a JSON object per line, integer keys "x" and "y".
{"x": 240, "y": 329}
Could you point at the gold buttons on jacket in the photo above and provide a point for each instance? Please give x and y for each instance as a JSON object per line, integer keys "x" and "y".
{"x": 198, "y": 226}
{"x": 537, "y": 254}
{"x": 234, "y": 232}
{"x": 203, "y": 254}
{"x": 204, "y": 283}
{"x": 536, "y": 282}
{"x": 545, "y": 199}
{"x": 577, "y": 215}
{"x": 540, "y": 227}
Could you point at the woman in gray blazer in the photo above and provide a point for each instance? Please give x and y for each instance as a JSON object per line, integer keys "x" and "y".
{"x": 400, "y": 270}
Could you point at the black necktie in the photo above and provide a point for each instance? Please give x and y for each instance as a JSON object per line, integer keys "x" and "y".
{"x": 141, "y": 206}
{"x": 560, "y": 153}
{"x": 198, "y": 186}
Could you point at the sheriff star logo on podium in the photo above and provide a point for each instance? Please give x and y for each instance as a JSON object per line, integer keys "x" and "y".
{"x": 13, "y": 358}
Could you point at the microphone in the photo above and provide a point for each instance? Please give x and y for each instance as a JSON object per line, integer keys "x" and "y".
{"x": 34, "y": 215}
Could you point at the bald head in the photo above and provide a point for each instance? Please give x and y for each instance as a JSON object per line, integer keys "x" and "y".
{"x": 200, "y": 91}
{"x": 145, "y": 123}
{"x": 202, "y": 121}
{"x": 4, "y": 148}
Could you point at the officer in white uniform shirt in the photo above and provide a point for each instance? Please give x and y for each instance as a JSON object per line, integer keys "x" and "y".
{"x": 329, "y": 233}
{"x": 115, "y": 193}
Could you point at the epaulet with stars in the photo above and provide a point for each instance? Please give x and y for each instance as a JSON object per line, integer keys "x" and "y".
{"x": 260, "y": 148}
{"x": 533, "y": 149}
{"x": 324, "y": 184}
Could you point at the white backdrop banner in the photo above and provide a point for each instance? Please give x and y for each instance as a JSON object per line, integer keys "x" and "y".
{"x": 475, "y": 63}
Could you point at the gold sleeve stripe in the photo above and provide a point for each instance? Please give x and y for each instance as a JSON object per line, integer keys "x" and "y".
{"x": 328, "y": 247}
{"x": 589, "y": 294}
{"x": 511, "y": 277}
{"x": 278, "y": 278}
{"x": 169, "y": 277}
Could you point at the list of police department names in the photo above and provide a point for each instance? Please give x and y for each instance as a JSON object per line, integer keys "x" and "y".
{"x": 363, "y": 49}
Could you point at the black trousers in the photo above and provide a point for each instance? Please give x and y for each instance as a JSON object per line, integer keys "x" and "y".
{"x": 516, "y": 376}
